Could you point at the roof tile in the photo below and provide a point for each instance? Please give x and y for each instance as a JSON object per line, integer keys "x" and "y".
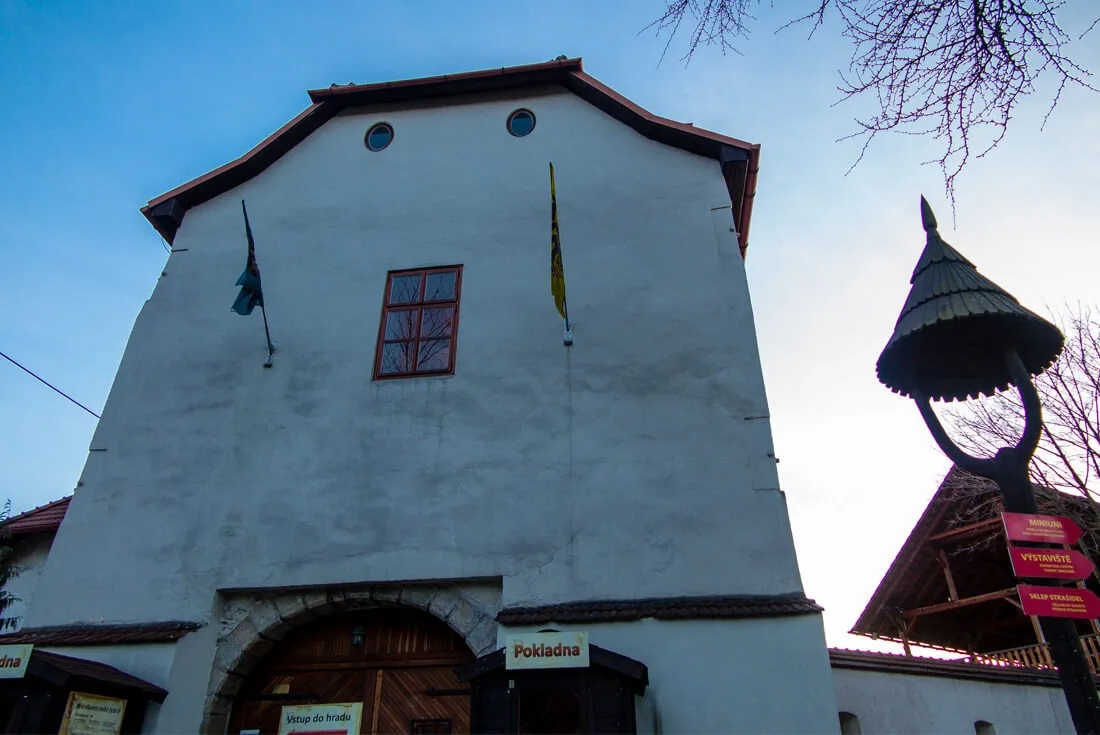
{"x": 43, "y": 519}
{"x": 91, "y": 634}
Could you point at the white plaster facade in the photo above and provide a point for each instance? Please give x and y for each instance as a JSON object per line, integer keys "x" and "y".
{"x": 636, "y": 464}
{"x": 908, "y": 704}
{"x": 29, "y": 558}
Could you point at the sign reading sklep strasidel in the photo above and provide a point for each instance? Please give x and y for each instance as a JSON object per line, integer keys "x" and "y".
{"x": 321, "y": 719}
{"x": 546, "y": 651}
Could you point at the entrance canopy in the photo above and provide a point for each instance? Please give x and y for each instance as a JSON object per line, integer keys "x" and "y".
{"x": 53, "y": 687}
{"x": 596, "y": 698}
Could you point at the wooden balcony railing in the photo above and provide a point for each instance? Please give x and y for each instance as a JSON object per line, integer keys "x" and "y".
{"x": 1038, "y": 656}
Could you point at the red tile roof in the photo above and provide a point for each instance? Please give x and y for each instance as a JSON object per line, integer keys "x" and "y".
{"x": 86, "y": 634}
{"x": 673, "y": 608}
{"x": 82, "y": 669}
{"x": 740, "y": 160}
{"x": 894, "y": 663}
{"x": 43, "y": 519}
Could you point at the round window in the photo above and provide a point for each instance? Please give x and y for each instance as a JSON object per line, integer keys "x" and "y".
{"x": 379, "y": 136}
{"x": 521, "y": 123}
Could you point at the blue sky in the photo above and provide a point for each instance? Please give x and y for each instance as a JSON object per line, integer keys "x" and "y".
{"x": 109, "y": 104}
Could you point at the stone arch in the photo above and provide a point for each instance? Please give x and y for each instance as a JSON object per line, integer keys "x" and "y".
{"x": 253, "y": 626}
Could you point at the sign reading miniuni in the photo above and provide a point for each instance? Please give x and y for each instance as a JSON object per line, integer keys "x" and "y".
{"x": 1041, "y": 528}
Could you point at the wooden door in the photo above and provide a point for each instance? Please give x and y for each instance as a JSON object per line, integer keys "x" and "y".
{"x": 402, "y": 671}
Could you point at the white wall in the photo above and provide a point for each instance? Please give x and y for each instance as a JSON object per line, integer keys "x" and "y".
{"x": 29, "y": 558}
{"x": 934, "y": 705}
{"x": 627, "y": 466}
{"x": 755, "y": 675}
{"x": 635, "y": 464}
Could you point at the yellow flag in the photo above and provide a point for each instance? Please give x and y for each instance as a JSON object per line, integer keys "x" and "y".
{"x": 557, "y": 272}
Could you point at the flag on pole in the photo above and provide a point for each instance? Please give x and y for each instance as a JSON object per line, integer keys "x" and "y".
{"x": 557, "y": 270}
{"x": 252, "y": 293}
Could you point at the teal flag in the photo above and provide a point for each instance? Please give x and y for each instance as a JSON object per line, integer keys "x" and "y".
{"x": 252, "y": 293}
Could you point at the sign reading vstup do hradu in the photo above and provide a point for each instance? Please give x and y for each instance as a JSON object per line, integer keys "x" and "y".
{"x": 13, "y": 660}
{"x": 546, "y": 651}
{"x": 91, "y": 714}
{"x": 321, "y": 719}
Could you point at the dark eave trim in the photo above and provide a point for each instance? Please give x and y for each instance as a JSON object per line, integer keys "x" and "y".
{"x": 675, "y": 608}
{"x": 102, "y": 634}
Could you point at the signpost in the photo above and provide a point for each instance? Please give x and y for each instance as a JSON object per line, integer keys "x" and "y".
{"x": 1059, "y": 602}
{"x": 546, "y": 651}
{"x": 1049, "y": 563}
{"x": 321, "y": 719}
{"x": 1042, "y": 528}
{"x": 91, "y": 714}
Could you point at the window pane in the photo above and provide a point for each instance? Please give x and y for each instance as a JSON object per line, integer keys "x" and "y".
{"x": 405, "y": 289}
{"x": 436, "y": 322}
{"x": 434, "y": 355}
{"x": 401, "y": 324}
{"x": 397, "y": 358}
{"x": 440, "y": 287}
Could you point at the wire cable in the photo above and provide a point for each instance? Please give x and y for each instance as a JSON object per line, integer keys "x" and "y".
{"x": 44, "y": 382}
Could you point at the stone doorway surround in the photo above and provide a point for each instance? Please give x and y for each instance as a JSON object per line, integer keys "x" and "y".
{"x": 253, "y": 622}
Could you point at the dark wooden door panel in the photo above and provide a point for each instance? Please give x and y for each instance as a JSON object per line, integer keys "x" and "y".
{"x": 404, "y": 699}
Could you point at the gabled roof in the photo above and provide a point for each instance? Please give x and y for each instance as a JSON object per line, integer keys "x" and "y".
{"x": 43, "y": 519}
{"x": 961, "y": 526}
{"x": 739, "y": 160}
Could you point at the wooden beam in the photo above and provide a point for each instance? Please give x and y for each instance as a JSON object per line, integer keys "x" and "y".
{"x": 944, "y": 606}
{"x": 963, "y": 531}
{"x": 952, "y": 593}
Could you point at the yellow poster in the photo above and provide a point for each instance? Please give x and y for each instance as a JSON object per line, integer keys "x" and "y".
{"x": 91, "y": 714}
{"x": 321, "y": 719}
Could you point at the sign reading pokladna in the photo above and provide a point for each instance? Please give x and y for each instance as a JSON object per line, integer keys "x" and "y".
{"x": 91, "y": 714}
{"x": 14, "y": 659}
{"x": 546, "y": 651}
{"x": 321, "y": 719}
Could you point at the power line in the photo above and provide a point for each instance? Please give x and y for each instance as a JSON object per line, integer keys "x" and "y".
{"x": 44, "y": 382}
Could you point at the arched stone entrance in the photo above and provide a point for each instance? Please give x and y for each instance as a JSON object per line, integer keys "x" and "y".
{"x": 255, "y": 628}
{"x": 398, "y": 662}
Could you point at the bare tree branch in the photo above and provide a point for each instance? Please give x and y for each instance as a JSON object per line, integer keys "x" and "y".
{"x": 1068, "y": 456}
{"x": 954, "y": 70}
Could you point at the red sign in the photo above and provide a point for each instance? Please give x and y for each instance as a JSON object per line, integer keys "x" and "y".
{"x": 1059, "y": 602}
{"x": 1047, "y": 529}
{"x": 1053, "y": 563}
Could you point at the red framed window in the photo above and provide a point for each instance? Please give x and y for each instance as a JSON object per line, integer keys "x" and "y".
{"x": 419, "y": 323}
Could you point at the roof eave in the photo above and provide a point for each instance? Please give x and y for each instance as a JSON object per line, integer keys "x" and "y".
{"x": 166, "y": 211}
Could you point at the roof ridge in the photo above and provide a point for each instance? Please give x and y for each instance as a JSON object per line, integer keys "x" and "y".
{"x": 38, "y": 508}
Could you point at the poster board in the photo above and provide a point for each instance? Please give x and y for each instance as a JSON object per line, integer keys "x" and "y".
{"x": 91, "y": 714}
{"x": 321, "y": 719}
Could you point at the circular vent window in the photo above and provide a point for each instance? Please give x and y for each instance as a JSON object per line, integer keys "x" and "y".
{"x": 379, "y": 136}
{"x": 521, "y": 123}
